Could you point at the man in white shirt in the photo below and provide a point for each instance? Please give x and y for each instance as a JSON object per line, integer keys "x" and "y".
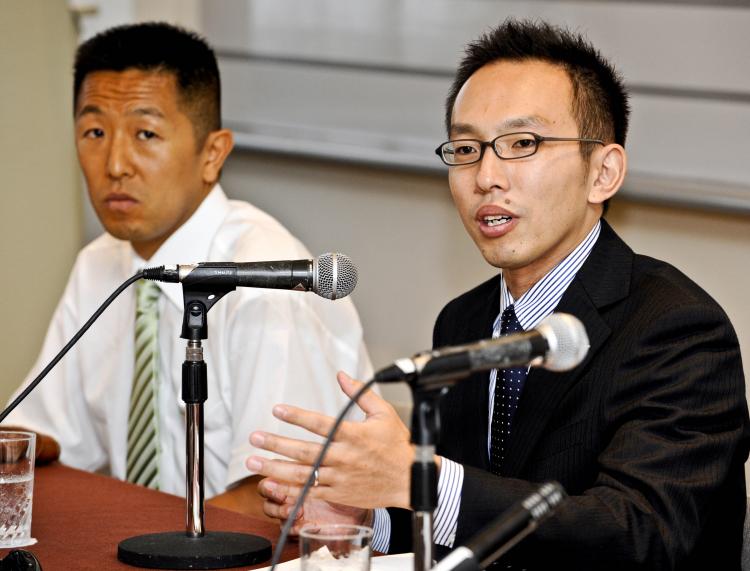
{"x": 151, "y": 147}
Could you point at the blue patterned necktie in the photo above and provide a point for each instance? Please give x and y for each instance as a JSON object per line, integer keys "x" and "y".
{"x": 143, "y": 419}
{"x": 508, "y": 388}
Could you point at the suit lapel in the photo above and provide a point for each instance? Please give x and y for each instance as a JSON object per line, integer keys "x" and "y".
{"x": 603, "y": 279}
{"x": 465, "y": 408}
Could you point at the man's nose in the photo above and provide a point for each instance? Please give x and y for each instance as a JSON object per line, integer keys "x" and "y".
{"x": 119, "y": 158}
{"x": 492, "y": 172}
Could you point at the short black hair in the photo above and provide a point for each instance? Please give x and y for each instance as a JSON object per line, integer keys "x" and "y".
{"x": 161, "y": 48}
{"x": 600, "y": 100}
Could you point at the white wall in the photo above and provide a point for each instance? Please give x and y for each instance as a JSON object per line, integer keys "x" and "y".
{"x": 365, "y": 81}
{"x": 40, "y": 224}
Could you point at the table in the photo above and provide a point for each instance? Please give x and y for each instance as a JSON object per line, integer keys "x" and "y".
{"x": 79, "y": 518}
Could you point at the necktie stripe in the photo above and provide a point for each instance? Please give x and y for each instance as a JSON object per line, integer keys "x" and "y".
{"x": 142, "y": 326}
{"x": 143, "y": 421}
{"x": 145, "y": 465}
{"x": 149, "y": 479}
{"x": 138, "y": 393}
{"x": 142, "y": 438}
{"x": 141, "y": 446}
{"x": 137, "y": 466}
{"x": 143, "y": 342}
{"x": 146, "y": 330}
{"x": 145, "y": 460}
{"x": 141, "y": 443}
{"x": 143, "y": 376}
{"x": 142, "y": 388}
{"x": 138, "y": 427}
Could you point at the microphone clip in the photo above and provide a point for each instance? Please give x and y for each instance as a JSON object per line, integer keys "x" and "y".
{"x": 197, "y": 301}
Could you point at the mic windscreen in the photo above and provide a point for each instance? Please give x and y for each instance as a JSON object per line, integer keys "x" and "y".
{"x": 567, "y": 340}
{"x": 335, "y": 275}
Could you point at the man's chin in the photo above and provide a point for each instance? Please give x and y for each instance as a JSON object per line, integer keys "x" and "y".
{"x": 500, "y": 258}
{"x": 127, "y": 232}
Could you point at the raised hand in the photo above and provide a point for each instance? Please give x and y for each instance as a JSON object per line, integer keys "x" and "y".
{"x": 367, "y": 465}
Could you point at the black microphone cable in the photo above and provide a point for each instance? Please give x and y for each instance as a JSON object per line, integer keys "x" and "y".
{"x": 69, "y": 345}
{"x": 316, "y": 466}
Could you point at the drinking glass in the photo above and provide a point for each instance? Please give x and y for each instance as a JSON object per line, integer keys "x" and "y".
{"x": 335, "y": 547}
{"x": 16, "y": 487}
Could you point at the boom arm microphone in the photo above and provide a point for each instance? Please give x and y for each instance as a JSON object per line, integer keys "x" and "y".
{"x": 504, "y": 532}
{"x": 559, "y": 343}
{"x": 331, "y": 275}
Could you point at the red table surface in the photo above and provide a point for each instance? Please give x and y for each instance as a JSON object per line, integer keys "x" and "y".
{"x": 79, "y": 518}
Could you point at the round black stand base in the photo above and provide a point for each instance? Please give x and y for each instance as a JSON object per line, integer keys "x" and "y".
{"x": 175, "y": 550}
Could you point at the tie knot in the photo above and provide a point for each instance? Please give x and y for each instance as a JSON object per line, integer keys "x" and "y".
{"x": 509, "y": 322}
{"x": 146, "y": 294}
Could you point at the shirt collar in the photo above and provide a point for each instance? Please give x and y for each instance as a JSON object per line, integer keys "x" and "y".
{"x": 542, "y": 298}
{"x": 190, "y": 243}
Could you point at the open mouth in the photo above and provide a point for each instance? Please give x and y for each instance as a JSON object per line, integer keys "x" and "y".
{"x": 496, "y": 220}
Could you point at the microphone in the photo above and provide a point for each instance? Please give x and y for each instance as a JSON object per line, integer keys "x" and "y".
{"x": 500, "y": 535}
{"x": 330, "y": 275}
{"x": 558, "y": 343}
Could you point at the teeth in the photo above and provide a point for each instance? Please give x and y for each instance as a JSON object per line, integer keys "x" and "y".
{"x": 496, "y": 220}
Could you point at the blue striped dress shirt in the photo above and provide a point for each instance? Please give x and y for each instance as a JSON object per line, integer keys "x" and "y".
{"x": 533, "y": 306}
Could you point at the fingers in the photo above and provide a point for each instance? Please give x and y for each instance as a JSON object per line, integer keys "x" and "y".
{"x": 315, "y": 422}
{"x": 281, "y": 511}
{"x": 287, "y": 477}
{"x": 277, "y": 504}
{"x": 269, "y": 490}
{"x": 283, "y": 470}
{"x": 369, "y": 402}
{"x": 305, "y": 452}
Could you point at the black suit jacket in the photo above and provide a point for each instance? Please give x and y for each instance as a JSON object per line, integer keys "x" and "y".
{"x": 648, "y": 435}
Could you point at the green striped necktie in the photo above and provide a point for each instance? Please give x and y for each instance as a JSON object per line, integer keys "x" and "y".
{"x": 143, "y": 420}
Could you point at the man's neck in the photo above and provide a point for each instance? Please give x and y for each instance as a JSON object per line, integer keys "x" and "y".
{"x": 147, "y": 248}
{"x": 520, "y": 280}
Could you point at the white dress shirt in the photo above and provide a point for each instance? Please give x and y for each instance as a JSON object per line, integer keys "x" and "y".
{"x": 264, "y": 347}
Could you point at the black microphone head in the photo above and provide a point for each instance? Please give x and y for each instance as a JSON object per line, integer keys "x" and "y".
{"x": 334, "y": 275}
{"x": 567, "y": 340}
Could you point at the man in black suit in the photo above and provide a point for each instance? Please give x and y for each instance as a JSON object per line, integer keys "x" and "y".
{"x": 648, "y": 435}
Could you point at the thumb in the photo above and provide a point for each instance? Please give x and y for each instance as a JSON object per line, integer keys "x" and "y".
{"x": 369, "y": 402}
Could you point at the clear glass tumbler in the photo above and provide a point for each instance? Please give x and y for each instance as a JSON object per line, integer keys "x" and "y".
{"x": 335, "y": 547}
{"x": 16, "y": 487}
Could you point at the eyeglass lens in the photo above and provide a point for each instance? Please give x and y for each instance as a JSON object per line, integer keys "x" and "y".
{"x": 510, "y": 146}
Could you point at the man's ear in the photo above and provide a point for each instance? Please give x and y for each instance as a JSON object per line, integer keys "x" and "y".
{"x": 216, "y": 149}
{"x": 607, "y": 172}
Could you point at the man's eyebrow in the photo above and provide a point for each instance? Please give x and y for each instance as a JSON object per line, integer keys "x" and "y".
{"x": 462, "y": 129}
{"x": 524, "y": 122}
{"x": 147, "y": 111}
{"x": 89, "y": 110}
{"x": 139, "y": 111}
{"x": 513, "y": 123}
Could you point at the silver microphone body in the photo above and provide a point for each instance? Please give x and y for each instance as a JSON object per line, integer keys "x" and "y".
{"x": 558, "y": 343}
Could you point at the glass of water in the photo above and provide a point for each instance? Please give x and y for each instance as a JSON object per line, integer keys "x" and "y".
{"x": 16, "y": 487}
{"x": 335, "y": 547}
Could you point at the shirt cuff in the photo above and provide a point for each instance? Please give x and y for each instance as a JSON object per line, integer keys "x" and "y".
{"x": 381, "y": 530}
{"x": 450, "y": 484}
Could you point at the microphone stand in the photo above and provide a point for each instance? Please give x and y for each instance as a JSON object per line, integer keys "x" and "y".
{"x": 195, "y": 548}
{"x": 425, "y": 424}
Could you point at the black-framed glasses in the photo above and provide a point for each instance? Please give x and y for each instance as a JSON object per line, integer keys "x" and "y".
{"x": 507, "y": 147}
